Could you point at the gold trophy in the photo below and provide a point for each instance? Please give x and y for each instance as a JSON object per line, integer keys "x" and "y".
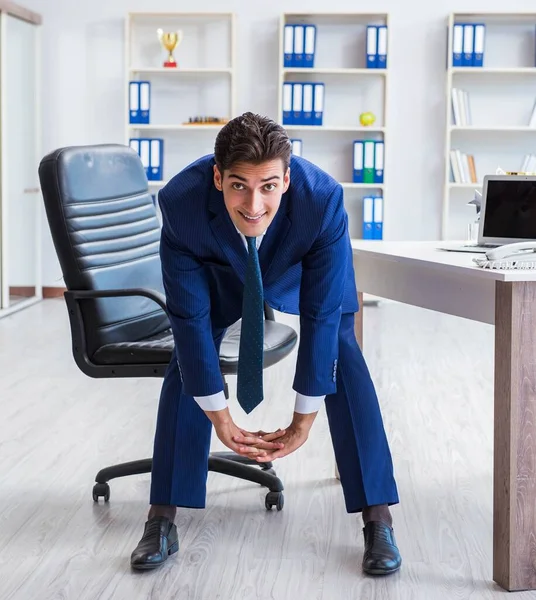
{"x": 170, "y": 41}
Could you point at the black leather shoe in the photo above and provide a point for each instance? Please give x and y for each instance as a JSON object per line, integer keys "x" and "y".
{"x": 159, "y": 541}
{"x": 381, "y": 555}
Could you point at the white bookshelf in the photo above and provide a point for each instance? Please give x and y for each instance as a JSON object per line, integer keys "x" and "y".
{"x": 350, "y": 89}
{"x": 324, "y": 128}
{"x": 502, "y": 96}
{"x": 362, "y": 186}
{"x": 180, "y": 72}
{"x": 203, "y": 84}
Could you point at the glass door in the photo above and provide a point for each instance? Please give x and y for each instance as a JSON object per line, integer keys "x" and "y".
{"x": 20, "y": 139}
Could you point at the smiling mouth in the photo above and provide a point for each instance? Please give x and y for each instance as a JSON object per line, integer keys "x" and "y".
{"x": 253, "y": 219}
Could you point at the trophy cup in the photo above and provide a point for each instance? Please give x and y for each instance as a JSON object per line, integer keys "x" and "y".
{"x": 170, "y": 41}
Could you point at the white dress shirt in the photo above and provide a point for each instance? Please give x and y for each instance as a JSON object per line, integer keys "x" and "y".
{"x": 303, "y": 404}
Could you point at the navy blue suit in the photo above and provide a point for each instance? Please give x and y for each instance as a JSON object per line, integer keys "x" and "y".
{"x": 306, "y": 265}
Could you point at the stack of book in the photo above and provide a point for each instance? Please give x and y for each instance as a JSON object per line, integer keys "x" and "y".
{"x": 372, "y": 218}
{"x": 368, "y": 161}
{"x": 462, "y": 167}
{"x": 303, "y": 103}
{"x": 468, "y": 45}
{"x": 532, "y": 120}
{"x": 461, "y": 111}
{"x": 139, "y": 102}
{"x": 299, "y": 46}
{"x": 151, "y": 153}
{"x": 529, "y": 164}
{"x": 297, "y": 146}
{"x": 376, "y": 46}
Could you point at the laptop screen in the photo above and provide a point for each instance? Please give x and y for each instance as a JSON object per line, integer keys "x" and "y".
{"x": 510, "y": 210}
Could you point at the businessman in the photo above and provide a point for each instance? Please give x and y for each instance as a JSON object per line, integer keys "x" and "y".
{"x": 246, "y": 225}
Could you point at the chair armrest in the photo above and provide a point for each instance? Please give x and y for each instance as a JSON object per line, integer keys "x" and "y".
{"x": 157, "y": 297}
{"x": 268, "y": 312}
{"x": 73, "y": 298}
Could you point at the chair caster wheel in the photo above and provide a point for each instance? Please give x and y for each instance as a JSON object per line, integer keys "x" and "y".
{"x": 101, "y": 490}
{"x": 274, "y": 499}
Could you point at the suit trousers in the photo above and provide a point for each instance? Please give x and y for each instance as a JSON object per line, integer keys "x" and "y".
{"x": 183, "y": 432}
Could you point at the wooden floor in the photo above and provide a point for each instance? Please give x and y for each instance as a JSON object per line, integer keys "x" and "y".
{"x": 58, "y": 428}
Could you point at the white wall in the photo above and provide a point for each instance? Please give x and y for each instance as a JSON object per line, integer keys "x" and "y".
{"x": 83, "y": 86}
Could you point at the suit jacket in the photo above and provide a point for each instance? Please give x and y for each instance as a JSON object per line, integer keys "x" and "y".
{"x": 306, "y": 265}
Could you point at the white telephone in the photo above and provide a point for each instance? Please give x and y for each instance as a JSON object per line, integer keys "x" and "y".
{"x": 520, "y": 255}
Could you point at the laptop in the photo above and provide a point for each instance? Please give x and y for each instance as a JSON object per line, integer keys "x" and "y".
{"x": 507, "y": 215}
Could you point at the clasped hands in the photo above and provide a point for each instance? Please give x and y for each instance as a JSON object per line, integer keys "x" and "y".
{"x": 260, "y": 445}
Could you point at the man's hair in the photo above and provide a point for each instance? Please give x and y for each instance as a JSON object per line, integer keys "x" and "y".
{"x": 251, "y": 138}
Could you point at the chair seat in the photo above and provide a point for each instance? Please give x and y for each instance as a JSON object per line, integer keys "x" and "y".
{"x": 279, "y": 340}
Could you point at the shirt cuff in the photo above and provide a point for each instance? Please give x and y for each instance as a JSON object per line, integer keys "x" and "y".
{"x": 213, "y": 402}
{"x": 308, "y": 404}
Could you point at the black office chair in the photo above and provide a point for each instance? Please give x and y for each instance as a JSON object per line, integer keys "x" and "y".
{"x": 106, "y": 234}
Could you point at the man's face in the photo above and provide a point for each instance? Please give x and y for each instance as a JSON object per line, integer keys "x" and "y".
{"x": 252, "y": 193}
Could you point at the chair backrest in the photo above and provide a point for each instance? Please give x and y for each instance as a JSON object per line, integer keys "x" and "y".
{"x": 106, "y": 234}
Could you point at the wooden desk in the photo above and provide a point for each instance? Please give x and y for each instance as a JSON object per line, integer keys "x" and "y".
{"x": 419, "y": 274}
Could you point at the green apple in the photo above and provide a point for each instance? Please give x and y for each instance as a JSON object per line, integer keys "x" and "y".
{"x": 367, "y": 118}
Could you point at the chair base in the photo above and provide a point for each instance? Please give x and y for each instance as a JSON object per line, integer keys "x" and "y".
{"x": 226, "y": 463}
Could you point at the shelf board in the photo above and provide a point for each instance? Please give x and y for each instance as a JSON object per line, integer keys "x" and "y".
{"x": 319, "y": 71}
{"x": 304, "y": 13}
{"x": 357, "y": 186}
{"x": 338, "y": 18}
{"x": 182, "y": 15}
{"x": 287, "y": 127}
{"x": 505, "y": 128}
{"x": 502, "y": 16}
{"x": 454, "y": 185}
{"x": 350, "y": 128}
{"x": 176, "y": 127}
{"x": 494, "y": 70}
{"x": 182, "y": 71}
